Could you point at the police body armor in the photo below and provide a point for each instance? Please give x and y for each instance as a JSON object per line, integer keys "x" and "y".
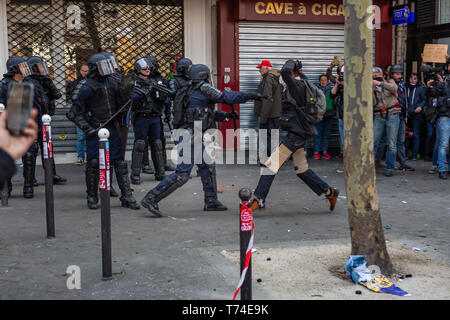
{"x": 101, "y": 107}
{"x": 151, "y": 105}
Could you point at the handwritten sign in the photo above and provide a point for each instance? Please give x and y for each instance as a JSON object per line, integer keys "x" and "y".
{"x": 331, "y": 11}
{"x": 435, "y": 53}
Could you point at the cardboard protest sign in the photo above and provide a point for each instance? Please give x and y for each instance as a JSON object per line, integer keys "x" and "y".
{"x": 435, "y": 53}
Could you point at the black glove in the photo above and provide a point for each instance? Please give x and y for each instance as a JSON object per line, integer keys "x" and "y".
{"x": 257, "y": 96}
{"x": 232, "y": 115}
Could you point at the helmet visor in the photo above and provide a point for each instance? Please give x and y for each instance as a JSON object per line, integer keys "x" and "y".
{"x": 114, "y": 63}
{"x": 143, "y": 64}
{"x": 105, "y": 67}
{"x": 41, "y": 68}
{"x": 24, "y": 69}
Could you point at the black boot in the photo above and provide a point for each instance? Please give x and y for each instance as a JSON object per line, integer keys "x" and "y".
{"x": 212, "y": 204}
{"x": 136, "y": 161}
{"x": 158, "y": 160}
{"x": 127, "y": 198}
{"x": 112, "y": 192}
{"x": 56, "y": 178}
{"x": 146, "y": 166}
{"x": 164, "y": 189}
{"x": 92, "y": 177}
{"x": 28, "y": 175}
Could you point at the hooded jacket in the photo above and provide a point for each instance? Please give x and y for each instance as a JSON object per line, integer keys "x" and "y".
{"x": 415, "y": 98}
{"x": 271, "y": 88}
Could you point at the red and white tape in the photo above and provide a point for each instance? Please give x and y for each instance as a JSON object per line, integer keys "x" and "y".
{"x": 247, "y": 224}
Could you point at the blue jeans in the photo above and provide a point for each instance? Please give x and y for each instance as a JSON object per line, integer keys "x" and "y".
{"x": 321, "y": 140}
{"x": 312, "y": 180}
{"x": 401, "y": 149}
{"x": 341, "y": 134}
{"x": 417, "y": 124}
{"x": 81, "y": 139}
{"x": 431, "y": 129}
{"x": 391, "y": 125}
{"x": 443, "y": 132}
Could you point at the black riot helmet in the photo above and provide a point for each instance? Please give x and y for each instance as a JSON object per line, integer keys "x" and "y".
{"x": 17, "y": 64}
{"x": 143, "y": 64}
{"x": 37, "y": 66}
{"x": 298, "y": 65}
{"x": 396, "y": 68}
{"x": 183, "y": 67}
{"x": 199, "y": 72}
{"x": 112, "y": 58}
{"x": 100, "y": 65}
{"x": 154, "y": 62}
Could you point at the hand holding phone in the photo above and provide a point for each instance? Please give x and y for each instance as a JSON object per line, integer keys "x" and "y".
{"x": 19, "y": 104}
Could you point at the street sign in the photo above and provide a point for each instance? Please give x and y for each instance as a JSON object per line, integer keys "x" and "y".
{"x": 402, "y": 16}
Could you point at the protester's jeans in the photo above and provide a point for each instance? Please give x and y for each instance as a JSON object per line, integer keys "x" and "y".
{"x": 443, "y": 132}
{"x": 321, "y": 140}
{"x": 314, "y": 182}
{"x": 391, "y": 125}
{"x": 81, "y": 138}
{"x": 401, "y": 148}
{"x": 341, "y": 134}
{"x": 417, "y": 124}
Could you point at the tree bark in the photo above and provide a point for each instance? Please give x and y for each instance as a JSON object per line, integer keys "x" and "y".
{"x": 367, "y": 235}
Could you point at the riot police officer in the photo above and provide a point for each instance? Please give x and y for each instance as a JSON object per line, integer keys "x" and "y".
{"x": 156, "y": 76}
{"x": 41, "y": 79}
{"x": 148, "y": 105}
{"x": 19, "y": 71}
{"x": 181, "y": 76}
{"x": 201, "y": 100}
{"x": 97, "y": 103}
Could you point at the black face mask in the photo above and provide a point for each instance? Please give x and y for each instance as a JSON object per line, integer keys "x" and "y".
{"x": 379, "y": 79}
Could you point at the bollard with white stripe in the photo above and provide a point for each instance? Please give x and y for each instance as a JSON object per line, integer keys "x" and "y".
{"x": 247, "y": 229}
{"x": 105, "y": 187}
{"x": 48, "y": 170}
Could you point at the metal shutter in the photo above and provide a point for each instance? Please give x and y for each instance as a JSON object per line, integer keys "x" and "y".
{"x": 314, "y": 44}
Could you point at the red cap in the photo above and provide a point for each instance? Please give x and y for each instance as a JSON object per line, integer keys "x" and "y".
{"x": 265, "y": 63}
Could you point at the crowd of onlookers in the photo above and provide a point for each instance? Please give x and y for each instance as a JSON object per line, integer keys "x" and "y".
{"x": 411, "y": 121}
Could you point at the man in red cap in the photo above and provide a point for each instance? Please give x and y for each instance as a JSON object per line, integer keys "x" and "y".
{"x": 269, "y": 110}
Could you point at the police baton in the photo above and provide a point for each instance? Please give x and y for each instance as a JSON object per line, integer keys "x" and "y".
{"x": 48, "y": 171}
{"x": 246, "y": 226}
{"x": 105, "y": 187}
{"x": 4, "y": 190}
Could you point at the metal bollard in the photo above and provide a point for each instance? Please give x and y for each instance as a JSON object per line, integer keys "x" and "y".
{"x": 246, "y": 244}
{"x": 105, "y": 187}
{"x": 48, "y": 170}
{"x": 4, "y": 190}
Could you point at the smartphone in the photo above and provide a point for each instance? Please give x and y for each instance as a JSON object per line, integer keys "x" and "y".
{"x": 19, "y": 104}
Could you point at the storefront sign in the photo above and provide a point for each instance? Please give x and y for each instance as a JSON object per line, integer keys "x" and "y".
{"x": 402, "y": 16}
{"x": 331, "y": 11}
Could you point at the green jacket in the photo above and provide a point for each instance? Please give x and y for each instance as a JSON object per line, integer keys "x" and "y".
{"x": 271, "y": 88}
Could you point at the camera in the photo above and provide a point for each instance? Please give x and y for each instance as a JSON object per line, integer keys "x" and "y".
{"x": 341, "y": 78}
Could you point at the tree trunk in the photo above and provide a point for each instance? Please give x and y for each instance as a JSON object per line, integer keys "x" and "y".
{"x": 367, "y": 235}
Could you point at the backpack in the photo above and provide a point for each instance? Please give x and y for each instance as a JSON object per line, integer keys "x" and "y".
{"x": 316, "y": 103}
{"x": 180, "y": 102}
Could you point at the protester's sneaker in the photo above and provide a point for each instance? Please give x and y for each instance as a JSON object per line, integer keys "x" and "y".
{"x": 433, "y": 170}
{"x": 80, "y": 162}
{"x": 326, "y": 156}
{"x": 340, "y": 170}
{"x": 332, "y": 195}
{"x": 316, "y": 155}
{"x": 388, "y": 173}
{"x": 257, "y": 204}
{"x": 443, "y": 175}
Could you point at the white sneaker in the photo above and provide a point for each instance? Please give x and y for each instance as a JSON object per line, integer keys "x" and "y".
{"x": 433, "y": 170}
{"x": 80, "y": 162}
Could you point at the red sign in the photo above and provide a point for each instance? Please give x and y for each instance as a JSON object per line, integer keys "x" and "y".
{"x": 330, "y": 11}
{"x": 246, "y": 219}
{"x": 103, "y": 183}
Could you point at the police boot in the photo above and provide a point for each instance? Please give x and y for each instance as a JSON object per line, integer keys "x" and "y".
{"x": 136, "y": 161}
{"x": 28, "y": 175}
{"x": 168, "y": 166}
{"x": 92, "y": 177}
{"x": 127, "y": 198}
{"x": 56, "y": 178}
{"x": 212, "y": 204}
{"x": 157, "y": 155}
{"x": 146, "y": 166}
{"x": 112, "y": 192}
{"x": 164, "y": 189}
